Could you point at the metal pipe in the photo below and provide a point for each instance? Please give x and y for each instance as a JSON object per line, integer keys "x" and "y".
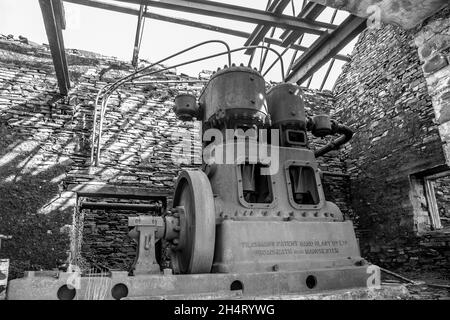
{"x": 110, "y": 88}
{"x": 143, "y": 83}
{"x": 130, "y": 76}
{"x": 216, "y": 55}
{"x": 134, "y": 76}
{"x": 119, "y": 206}
{"x": 337, "y": 128}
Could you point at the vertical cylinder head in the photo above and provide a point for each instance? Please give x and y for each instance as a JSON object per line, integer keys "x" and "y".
{"x": 286, "y": 105}
{"x": 235, "y": 95}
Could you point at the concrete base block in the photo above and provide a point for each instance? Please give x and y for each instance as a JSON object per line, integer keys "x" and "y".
{"x": 47, "y": 286}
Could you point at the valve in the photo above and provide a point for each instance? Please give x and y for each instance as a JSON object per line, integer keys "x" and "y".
{"x": 186, "y": 107}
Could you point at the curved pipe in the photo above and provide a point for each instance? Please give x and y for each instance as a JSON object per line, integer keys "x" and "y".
{"x": 111, "y": 87}
{"x": 337, "y": 128}
{"x": 134, "y": 76}
{"x": 216, "y": 55}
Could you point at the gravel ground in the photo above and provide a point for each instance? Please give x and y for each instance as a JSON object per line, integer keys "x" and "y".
{"x": 427, "y": 285}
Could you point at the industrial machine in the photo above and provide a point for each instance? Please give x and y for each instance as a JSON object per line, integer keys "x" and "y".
{"x": 256, "y": 222}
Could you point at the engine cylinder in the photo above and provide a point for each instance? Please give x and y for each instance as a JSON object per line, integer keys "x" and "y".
{"x": 235, "y": 97}
{"x": 287, "y": 112}
{"x": 286, "y": 105}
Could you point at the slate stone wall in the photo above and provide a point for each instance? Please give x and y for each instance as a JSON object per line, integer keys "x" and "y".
{"x": 384, "y": 95}
{"x": 45, "y": 148}
{"x": 442, "y": 191}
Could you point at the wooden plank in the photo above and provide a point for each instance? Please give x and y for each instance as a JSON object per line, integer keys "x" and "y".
{"x": 107, "y": 190}
{"x": 52, "y": 13}
{"x": 432, "y": 204}
{"x": 439, "y": 175}
{"x": 325, "y": 48}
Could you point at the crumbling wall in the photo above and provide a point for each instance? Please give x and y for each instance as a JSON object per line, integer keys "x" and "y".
{"x": 45, "y": 149}
{"x": 433, "y": 42}
{"x": 442, "y": 190}
{"x": 383, "y": 95}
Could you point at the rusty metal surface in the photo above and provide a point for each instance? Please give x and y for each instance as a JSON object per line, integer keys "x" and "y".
{"x": 229, "y": 204}
{"x": 45, "y": 287}
{"x": 234, "y": 92}
{"x": 286, "y": 104}
{"x": 186, "y": 107}
{"x": 405, "y": 13}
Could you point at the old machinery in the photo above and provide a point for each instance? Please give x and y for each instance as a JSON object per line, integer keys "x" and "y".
{"x": 254, "y": 218}
{"x": 264, "y": 222}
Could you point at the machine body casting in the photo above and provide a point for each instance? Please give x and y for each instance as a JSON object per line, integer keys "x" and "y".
{"x": 232, "y": 225}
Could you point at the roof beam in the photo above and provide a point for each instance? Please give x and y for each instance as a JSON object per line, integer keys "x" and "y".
{"x": 189, "y": 23}
{"x": 311, "y": 12}
{"x": 54, "y": 21}
{"x": 232, "y": 12}
{"x": 324, "y": 48}
{"x": 155, "y": 16}
{"x": 260, "y": 31}
{"x": 138, "y": 36}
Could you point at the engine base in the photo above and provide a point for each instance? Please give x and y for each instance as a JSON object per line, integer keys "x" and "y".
{"x": 119, "y": 285}
{"x": 261, "y": 246}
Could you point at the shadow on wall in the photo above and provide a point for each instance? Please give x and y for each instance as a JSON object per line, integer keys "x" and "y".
{"x": 45, "y": 145}
{"x": 30, "y": 180}
{"x": 34, "y": 159}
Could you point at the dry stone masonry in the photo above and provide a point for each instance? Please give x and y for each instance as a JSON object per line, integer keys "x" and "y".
{"x": 394, "y": 93}
{"x": 392, "y": 98}
{"x": 45, "y": 148}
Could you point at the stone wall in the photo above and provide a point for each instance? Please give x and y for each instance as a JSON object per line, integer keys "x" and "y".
{"x": 383, "y": 95}
{"x": 442, "y": 191}
{"x": 45, "y": 155}
{"x": 45, "y": 145}
{"x": 433, "y": 42}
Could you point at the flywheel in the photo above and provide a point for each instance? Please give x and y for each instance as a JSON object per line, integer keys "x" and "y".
{"x": 194, "y": 203}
